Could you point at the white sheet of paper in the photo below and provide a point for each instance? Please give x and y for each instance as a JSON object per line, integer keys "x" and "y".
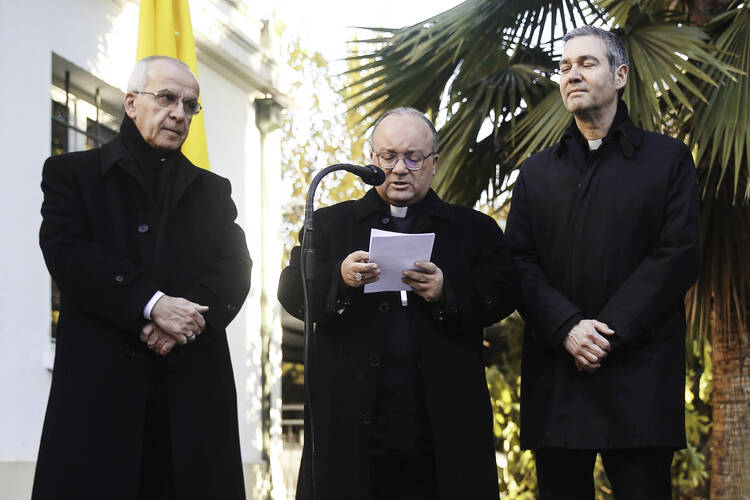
{"x": 394, "y": 252}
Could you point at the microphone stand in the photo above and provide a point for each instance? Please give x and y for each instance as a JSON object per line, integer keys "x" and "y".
{"x": 307, "y": 266}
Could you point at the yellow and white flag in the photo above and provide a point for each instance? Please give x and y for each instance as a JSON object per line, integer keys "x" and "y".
{"x": 165, "y": 29}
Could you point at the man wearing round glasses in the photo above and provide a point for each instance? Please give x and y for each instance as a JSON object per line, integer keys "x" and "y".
{"x": 399, "y": 398}
{"x": 151, "y": 268}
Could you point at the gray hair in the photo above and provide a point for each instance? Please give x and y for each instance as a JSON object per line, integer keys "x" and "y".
{"x": 616, "y": 53}
{"x": 139, "y": 77}
{"x": 409, "y": 112}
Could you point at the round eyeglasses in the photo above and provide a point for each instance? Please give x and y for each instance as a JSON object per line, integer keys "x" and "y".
{"x": 412, "y": 161}
{"x": 167, "y": 99}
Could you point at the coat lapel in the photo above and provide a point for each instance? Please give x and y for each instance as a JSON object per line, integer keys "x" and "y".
{"x": 183, "y": 174}
{"x": 114, "y": 153}
{"x": 433, "y": 211}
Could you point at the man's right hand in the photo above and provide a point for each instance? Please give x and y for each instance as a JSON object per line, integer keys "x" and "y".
{"x": 156, "y": 340}
{"x": 587, "y": 346}
{"x": 357, "y": 262}
{"x": 179, "y": 317}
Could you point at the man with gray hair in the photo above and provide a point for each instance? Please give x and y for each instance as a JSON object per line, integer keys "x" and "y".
{"x": 400, "y": 406}
{"x": 151, "y": 268}
{"x": 603, "y": 228}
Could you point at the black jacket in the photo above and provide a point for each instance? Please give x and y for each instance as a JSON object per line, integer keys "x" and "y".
{"x": 479, "y": 289}
{"x": 109, "y": 249}
{"x": 610, "y": 235}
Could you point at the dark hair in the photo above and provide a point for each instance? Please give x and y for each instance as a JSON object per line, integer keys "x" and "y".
{"x": 412, "y": 112}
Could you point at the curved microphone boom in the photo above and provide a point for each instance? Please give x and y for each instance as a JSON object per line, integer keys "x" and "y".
{"x": 372, "y": 175}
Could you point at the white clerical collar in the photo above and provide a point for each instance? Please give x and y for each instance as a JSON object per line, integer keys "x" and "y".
{"x": 594, "y": 145}
{"x": 398, "y": 211}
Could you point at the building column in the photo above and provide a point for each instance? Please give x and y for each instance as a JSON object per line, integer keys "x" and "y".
{"x": 267, "y": 118}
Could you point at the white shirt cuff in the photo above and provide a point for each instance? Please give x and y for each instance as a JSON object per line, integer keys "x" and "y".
{"x": 151, "y": 303}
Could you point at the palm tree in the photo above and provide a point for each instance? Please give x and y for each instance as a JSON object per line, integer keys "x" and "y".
{"x": 485, "y": 70}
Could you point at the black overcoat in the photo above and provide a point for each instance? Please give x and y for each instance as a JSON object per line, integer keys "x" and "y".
{"x": 479, "y": 288}
{"x": 613, "y": 236}
{"x": 109, "y": 250}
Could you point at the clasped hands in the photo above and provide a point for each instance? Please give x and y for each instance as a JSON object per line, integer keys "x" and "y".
{"x": 426, "y": 281}
{"x": 587, "y": 346}
{"x": 174, "y": 321}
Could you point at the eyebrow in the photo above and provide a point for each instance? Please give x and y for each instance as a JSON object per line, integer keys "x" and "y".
{"x": 175, "y": 93}
{"x": 580, "y": 59}
{"x": 408, "y": 151}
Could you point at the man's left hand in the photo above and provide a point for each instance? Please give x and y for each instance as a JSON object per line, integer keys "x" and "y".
{"x": 427, "y": 282}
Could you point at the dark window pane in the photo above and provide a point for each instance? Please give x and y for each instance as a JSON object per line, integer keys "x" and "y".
{"x": 98, "y": 134}
{"x": 59, "y": 128}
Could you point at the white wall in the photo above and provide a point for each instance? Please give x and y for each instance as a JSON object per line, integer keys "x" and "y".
{"x": 234, "y": 152}
{"x": 100, "y": 37}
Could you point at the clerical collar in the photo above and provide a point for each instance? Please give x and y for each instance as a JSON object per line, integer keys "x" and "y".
{"x": 398, "y": 211}
{"x": 594, "y": 145}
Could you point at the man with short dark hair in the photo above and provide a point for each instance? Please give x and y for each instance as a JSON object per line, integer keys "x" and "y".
{"x": 151, "y": 268}
{"x": 400, "y": 405}
{"x": 603, "y": 228}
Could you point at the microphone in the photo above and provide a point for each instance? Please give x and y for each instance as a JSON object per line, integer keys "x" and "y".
{"x": 370, "y": 174}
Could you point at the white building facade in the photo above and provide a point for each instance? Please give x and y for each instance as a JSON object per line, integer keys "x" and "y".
{"x": 65, "y": 65}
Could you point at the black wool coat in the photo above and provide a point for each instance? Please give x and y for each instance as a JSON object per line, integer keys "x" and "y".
{"x": 611, "y": 235}
{"x": 480, "y": 288}
{"x": 109, "y": 249}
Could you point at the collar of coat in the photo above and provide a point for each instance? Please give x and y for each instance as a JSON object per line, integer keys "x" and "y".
{"x": 431, "y": 206}
{"x": 115, "y": 154}
{"x": 622, "y": 130}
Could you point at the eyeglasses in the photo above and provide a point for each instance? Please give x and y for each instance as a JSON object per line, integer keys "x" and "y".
{"x": 167, "y": 99}
{"x": 412, "y": 161}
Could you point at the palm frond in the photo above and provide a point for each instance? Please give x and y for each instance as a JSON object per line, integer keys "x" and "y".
{"x": 666, "y": 60}
{"x": 720, "y": 128}
{"x": 494, "y": 101}
{"x": 540, "y": 127}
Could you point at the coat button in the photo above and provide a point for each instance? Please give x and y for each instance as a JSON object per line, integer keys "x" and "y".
{"x": 385, "y": 220}
{"x": 488, "y": 300}
{"x": 453, "y": 310}
{"x": 130, "y": 352}
{"x": 119, "y": 278}
{"x": 374, "y": 361}
{"x": 384, "y": 307}
{"x": 231, "y": 308}
{"x": 367, "y": 418}
{"x": 143, "y": 228}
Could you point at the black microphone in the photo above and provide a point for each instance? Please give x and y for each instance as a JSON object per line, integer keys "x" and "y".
{"x": 370, "y": 174}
